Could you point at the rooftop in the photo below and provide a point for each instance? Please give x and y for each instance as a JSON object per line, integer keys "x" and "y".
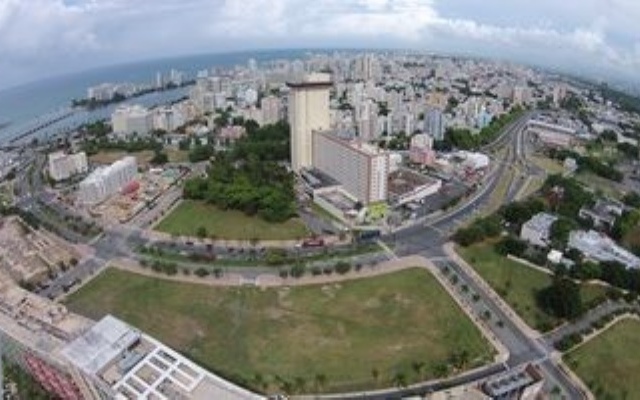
{"x": 405, "y": 181}
{"x": 541, "y": 222}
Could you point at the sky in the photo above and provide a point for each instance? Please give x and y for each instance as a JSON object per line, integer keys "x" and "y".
{"x": 43, "y": 38}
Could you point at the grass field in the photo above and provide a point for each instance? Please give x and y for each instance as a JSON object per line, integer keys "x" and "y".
{"x": 143, "y": 157}
{"x": 547, "y": 164}
{"x": 606, "y": 186}
{"x": 518, "y": 284}
{"x": 609, "y": 364}
{"x": 342, "y": 331}
{"x": 190, "y": 215}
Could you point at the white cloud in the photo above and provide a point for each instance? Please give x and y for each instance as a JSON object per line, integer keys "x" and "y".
{"x": 60, "y": 34}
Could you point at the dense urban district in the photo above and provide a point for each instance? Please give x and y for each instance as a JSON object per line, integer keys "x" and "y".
{"x": 343, "y": 226}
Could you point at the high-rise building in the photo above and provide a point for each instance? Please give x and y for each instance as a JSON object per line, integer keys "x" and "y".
{"x": 361, "y": 168}
{"x": 434, "y": 124}
{"x": 106, "y": 181}
{"x": 63, "y": 166}
{"x": 129, "y": 120}
{"x": 308, "y": 112}
{"x": 270, "y": 106}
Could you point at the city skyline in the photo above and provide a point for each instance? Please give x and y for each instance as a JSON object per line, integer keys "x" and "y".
{"x": 42, "y": 38}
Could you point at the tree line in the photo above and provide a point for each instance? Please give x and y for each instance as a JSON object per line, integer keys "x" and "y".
{"x": 464, "y": 139}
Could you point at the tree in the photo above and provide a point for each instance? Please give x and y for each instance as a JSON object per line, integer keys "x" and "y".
{"x": 560, "y": 230}
{"x": 399, "y": 379}
{"x": 511, "y": 245}
{"x": 342, "y": 267}
{"x": 320, "y": 381}
{"x": 518, "y": 213}
{"x": 201, "y": 232}
{"x": 375, "y": 374}
{"x": 561, "y": 299}
{"x": 632, "y": 199}
{"x": 418, "y": 368}
{"x": 159, "y": 158}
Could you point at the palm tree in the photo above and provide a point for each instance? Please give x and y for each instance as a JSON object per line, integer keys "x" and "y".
{"x": 440, "y": 370}
{"x": 375, "y": 374}
{"x": 418, "y": 368}
{"x": 300, "y": 384}
{"x": 320, "y": 381}
{"x": 399, "y": 379}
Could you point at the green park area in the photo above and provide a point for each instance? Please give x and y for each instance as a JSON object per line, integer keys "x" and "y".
{"x": 518, "y": 284}
{"x": 191, "y": 216}
{"x": 609, "y": 364}
{"x": 383, "y": 331}
{"x": 550, "y": 165}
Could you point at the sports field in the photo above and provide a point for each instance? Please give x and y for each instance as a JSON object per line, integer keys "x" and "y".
{"x": 362, "y": 334}
{"x": 190, "y": 216}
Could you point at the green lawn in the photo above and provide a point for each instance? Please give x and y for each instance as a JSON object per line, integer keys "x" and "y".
{"x": 609, "y": 364}
{"x": 342, "y": 331}
{"x": 518, "y": 284}
{"x": 191, "y": 215}
{"x": 606, "y": 186}
{"x": 551, "y": 166}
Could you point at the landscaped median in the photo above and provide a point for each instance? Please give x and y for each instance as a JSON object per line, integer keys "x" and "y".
{"x": 387, "y": 330}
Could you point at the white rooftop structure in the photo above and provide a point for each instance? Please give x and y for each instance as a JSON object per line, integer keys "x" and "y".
{"x": 537, "y": 230}
{"x": 136, "y": 366}
{"x": 601, "y": 248}
{"x": 101, "y": 344}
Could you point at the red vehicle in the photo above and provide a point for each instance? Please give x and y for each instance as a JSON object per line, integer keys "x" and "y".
{"x": 313, "y": 242}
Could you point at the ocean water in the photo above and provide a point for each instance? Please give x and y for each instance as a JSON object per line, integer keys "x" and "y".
{"x": 23, "y": 106}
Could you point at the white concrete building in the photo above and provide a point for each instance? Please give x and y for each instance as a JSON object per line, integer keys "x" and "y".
{"x": 168, "y": 118}
{"x": 361, "y": 168}
{"x": 271, "y": 109}
{"x": 63, "y": 166}
{"x": 127, "y": 120}
{"x": 308, "y": 112}
{"x": 106, "y": 181}
{"x": 102, "y": 92}
{"x": 599, "y": 247}
{"x": 538, "y": 229}
{"x": 434, "y": 124}
{"x": 126, "y": 363}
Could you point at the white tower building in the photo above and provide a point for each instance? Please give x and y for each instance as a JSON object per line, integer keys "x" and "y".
{"x": 308, "y": 112}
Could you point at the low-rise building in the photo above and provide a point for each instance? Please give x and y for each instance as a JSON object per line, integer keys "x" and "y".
{"x": 126, "y": 363}
{"x": 603, "y": 214}
{"x": 538, "y": 229}
{"x": 63, "y": 166}
{"x": 520, "y": 384}
{"x": 600, "y": 247}
{"x": 406, "y": 186}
